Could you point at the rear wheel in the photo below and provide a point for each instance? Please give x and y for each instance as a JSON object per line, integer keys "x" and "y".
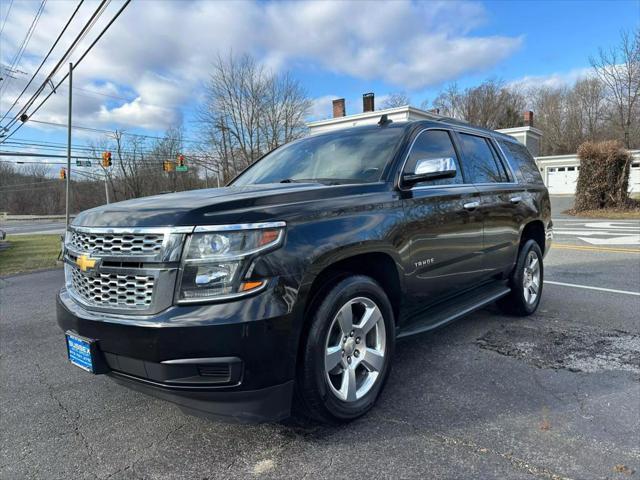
{"x": 526, "y": 281}
{"x": 347, "y": 352}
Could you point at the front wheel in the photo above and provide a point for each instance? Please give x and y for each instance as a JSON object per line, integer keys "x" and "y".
{"x": 525, "y": 281}
{"x": 347, "y": 351}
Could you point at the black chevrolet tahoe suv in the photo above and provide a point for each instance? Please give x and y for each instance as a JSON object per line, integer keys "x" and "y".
{"x": 288, "y": 289}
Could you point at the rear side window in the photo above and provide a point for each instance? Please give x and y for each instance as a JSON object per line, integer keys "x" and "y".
{"x": 431, "y": 144}
{"x": 522, "y": 162}
{"x": 480, "y": 162}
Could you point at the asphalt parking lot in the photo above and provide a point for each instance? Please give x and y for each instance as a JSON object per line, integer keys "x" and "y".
{"x": 552, "y": 396}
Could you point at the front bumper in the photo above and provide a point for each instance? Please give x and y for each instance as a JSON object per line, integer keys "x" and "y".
{"x": 234, "y": 360}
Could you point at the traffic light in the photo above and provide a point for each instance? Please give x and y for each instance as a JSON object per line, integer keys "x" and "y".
{"x": 106, "y": 159}
{"x": 167, "y": 166}
{"x": 180, "y": 160}
{"x": 63, "y": 173}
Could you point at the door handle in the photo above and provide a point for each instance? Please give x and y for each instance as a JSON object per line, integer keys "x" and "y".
{"x": 515, "y": 199}
{"x": 471, "y": 205}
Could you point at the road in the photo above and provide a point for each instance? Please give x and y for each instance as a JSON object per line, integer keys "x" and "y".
{"x": 552, "y": 396}
{"x": 31, "y": 227}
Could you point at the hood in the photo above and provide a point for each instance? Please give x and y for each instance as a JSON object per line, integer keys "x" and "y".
{"x": 234, "y": 204}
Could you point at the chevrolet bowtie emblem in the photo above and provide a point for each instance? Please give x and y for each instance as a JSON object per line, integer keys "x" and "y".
{"x": 85, "y": 263}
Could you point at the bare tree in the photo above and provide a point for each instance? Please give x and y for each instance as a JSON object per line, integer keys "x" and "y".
{"x": 618, "y": 68}
{"x": 588, "y": 99}
{"x": 491, "y": 104}
{"x": 397, "y": 99}
{"x": 248, "y": 112}
{"x": 550, "y": 106}
{"x": 449, "y": 102}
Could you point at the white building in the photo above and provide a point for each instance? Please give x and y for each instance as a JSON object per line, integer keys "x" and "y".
{"x": 560, "y": 172}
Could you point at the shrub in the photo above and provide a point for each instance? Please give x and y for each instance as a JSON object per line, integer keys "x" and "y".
{"x": 604, "y": 176}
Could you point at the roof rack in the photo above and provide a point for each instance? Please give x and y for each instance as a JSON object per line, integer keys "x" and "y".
{"x": 384, "y": 120}
{"x": 452, "y": 120}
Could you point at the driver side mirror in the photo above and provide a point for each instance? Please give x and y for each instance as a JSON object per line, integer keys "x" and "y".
{"x": 431, "y": 169}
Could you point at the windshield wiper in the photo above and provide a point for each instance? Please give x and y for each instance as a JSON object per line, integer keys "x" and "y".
{"x": 323, "y": 181}
{"x": 298, "y": 180}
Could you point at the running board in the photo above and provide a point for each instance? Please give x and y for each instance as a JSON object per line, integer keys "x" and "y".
{"x": 440, "y": 315}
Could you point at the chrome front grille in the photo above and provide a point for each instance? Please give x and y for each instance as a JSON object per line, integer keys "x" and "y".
{"x": 111, "y": 290}
{"x": 123, "y": 270}
{"x": 116, "y": 244}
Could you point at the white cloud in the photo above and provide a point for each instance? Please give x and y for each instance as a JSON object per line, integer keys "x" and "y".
{"x": 322, "y": 107}
{"x": 159, "y": 53}
{"x": 553, "y": 80}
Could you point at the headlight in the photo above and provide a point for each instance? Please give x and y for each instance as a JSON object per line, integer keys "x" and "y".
{"x": 216, "y": 258}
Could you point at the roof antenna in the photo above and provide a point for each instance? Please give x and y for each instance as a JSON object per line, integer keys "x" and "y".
{"x": 384, "y": 119}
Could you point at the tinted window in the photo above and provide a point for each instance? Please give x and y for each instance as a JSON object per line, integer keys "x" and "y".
{"x": 432, "y": 144}
{"x": 347, "y": 156}
{"x": 480, "y": 162}
{"x": 522, "y": 162}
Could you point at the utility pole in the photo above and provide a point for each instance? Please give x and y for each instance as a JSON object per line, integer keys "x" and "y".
{"x": 69, "y": 147}
{"x": 106, "y": 186}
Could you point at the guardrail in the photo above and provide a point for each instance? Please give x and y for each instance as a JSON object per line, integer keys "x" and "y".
{"x": 25, "y": 218}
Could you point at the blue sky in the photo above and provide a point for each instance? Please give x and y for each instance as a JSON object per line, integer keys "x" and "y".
{"x": 158, "y": 54}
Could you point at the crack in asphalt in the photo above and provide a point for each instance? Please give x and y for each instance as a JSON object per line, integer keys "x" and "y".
{"x": 520, "y": 463}
{"x": 72, "y": 419}
{"x": 515, "y": 461}
{"x": 144, "y": 449}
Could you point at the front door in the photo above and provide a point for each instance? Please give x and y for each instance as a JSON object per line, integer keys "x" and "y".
{"x": 443, "y": 226}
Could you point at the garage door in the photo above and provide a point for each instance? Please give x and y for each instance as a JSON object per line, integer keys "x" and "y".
{"x": 562, "y": 179}
{"x": 634, "y": 177}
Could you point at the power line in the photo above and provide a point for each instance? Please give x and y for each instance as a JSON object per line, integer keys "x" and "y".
{"x": 94, "y": 17}
{"x": 111, "y": 132}
{"x": 192, "y": 157}
{"x": 64, "y": 29}
{"x": 13, "y": 162}
{"x": 150, "y": 161}
{"x": 118, "y": 13}
{"x": 85, "y": 92}
{"x": 6, "y": 16}
{"x": 124, "y": 99}
{"x": 31, "y": 154}
{"x": 24, "y": 44}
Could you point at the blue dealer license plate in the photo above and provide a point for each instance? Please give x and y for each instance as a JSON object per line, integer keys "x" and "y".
{"x": 79, "y": 352}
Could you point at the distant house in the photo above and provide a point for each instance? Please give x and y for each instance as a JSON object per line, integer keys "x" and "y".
{"x": 560, "y": 172}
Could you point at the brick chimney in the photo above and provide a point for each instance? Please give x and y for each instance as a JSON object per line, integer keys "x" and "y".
{"x": 528, "y": 118}
{"x": 367, "y": 102}
{"x": 338, "y": 108}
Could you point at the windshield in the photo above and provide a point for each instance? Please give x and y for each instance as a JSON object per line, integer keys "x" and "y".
{"x": 347, "y": 156}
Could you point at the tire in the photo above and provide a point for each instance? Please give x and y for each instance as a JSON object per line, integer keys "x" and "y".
{"x": 343, "y": 369}
{"x": 526, "y": 282}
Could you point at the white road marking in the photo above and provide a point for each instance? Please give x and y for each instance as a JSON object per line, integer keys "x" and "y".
{"x": 587, "y": 287}
{"x": 615, "y": 232}
{"x": 612, "y": 225}
{"x": 626, "y": 240}
{"x": 582, "y": 232}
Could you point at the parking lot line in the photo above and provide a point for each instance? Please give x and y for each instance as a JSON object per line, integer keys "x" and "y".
{"x": 594, "y": 249}
{"x": 587, "y": 287}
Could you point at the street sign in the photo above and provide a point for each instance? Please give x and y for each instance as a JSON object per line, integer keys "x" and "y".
{"x": 83, "y": 163}
{"x": 183, "y": 168}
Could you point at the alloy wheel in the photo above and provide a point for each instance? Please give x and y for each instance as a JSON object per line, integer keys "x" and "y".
{"x": 355, "y": 349}
{"x": 531, "y": 278}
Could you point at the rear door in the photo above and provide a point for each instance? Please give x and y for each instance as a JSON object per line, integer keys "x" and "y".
{"x": 443, "y": 225}
{"x": 502, "y": 201}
